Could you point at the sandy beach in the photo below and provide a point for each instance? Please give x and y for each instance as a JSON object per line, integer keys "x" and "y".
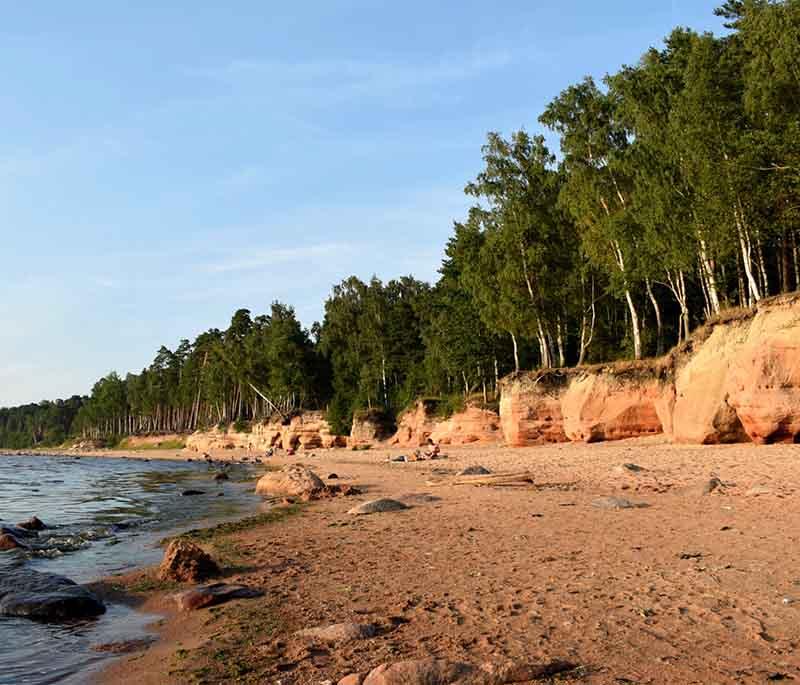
{"x": 695, "y": 587}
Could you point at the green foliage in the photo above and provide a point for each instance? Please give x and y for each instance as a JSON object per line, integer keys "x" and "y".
{"x": 242, "y": 426}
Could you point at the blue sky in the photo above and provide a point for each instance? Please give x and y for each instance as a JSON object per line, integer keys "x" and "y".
{"x": 164, "y": 163}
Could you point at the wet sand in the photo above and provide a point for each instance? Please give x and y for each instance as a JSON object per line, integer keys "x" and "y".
{"x": 693, "y": 588}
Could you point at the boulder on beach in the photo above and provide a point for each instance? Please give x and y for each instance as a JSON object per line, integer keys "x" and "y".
{"x": 211, "y": 595}
{"x": 45, "y": 597}
{"x": 420, "y": 672}
{"x": 290, "y": 480}
{"x": 186, "y": 562}
{"x": 377, "y": 506}
{"x": 431, "y": 671}
{"x": 340, "y": 632}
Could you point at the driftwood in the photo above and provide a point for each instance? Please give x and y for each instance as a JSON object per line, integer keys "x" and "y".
{"x": 522, "y": 478}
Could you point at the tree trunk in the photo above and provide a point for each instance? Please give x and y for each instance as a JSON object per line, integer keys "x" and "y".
{"x": 586, "y": 339}
{"x": 707, "y": 271}
{"x": 516, "y": 353}
{"x": 637, "y": 340}
{"x": 544, "y": 350}
{"x": 657, "y": 310}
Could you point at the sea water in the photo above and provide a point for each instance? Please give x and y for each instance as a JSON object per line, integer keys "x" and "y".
{"x": 104, "y": 516}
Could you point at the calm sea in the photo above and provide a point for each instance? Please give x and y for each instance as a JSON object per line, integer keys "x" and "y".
{"x": 106, "y": 516}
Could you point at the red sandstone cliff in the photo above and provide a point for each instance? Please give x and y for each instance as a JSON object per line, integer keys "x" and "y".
{"x": 736, "y": 380}
{"x": 309, "y": 430}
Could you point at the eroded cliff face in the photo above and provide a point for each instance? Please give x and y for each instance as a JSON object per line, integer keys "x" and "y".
{"x": 369, "y": 428}
{"x": 603, "y": 406}
{"x": 473, "y": 425}
{"x": 530, "y": 410}
{"x": 309, "y": 430}
{"x": 737, "y": 380}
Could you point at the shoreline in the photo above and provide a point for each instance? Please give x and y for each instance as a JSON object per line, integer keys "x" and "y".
{"x": 673, "y": 592}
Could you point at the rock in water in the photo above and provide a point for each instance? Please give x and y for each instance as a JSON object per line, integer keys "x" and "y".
{"x": 33, "y": 523}
{"x": 377, "y": 506}
{"x": 17, "y": 532}
{"x": 290, "y": 480}
{"x": 190, "y": 493}
{"x": 475, "y": 471}
{"x": 186, "y": 562}
{"x": 8, "y": 542}
{"x": 340, "y": 632}
{"x": 221, "y": 476}
{"x": 45, "y": 597}
{"x": 617, "y": 503}
{"x": 211, "y": 595}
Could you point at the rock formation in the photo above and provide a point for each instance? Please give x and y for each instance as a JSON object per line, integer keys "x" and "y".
{"x": 530, "y": 409}
{"x": 736, "y": 380}
{"x": 472, "y": 425}
{"x": 600, "y": 406}
{"x": 369, "y": 428}
{"x": 308, "y": 430}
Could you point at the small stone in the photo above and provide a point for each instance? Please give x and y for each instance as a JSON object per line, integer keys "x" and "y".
{"x": 377, "y": 506}
{"x": 690, "y": 555}
{"x": 758, "y": 490}
{"x": 191, "y": 493}
{"x": 617, "y": 503}
{"x": 628, "y": 468}
{"x": 476, "y": 470}
{"x": 711, "y": 485}
{"x": 333, "y": 476}
{"x": 221, "y": 476}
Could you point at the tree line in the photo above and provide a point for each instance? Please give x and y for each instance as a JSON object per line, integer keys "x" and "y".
{"x": 675, "y": 193}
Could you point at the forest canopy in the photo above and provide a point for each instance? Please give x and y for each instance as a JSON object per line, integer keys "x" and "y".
{"x": 675, "y": 194}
